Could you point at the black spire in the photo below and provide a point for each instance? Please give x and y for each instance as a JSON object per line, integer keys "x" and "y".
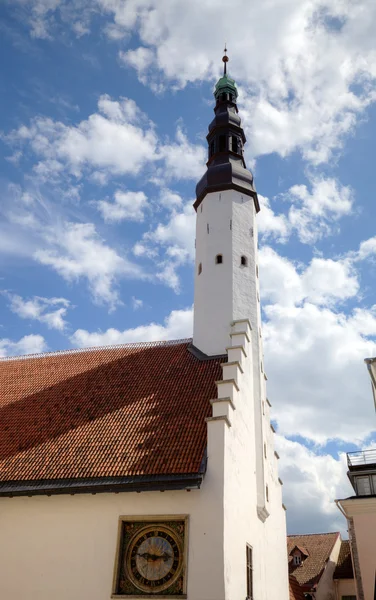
{"x": 226, "y": 168}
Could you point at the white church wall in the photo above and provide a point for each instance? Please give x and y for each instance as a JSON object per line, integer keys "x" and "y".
{"x": 241, "y": 521}
{"x": 62, "y": 547}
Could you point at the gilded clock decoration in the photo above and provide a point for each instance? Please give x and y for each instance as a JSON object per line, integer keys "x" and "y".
{"x": 152, "y": 558}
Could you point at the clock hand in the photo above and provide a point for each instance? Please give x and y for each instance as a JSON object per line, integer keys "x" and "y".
{"x": 153, "y": 557}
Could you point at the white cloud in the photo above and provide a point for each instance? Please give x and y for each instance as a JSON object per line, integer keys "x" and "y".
{"x": 137, "y": 303}
{"x": 183, "y": 160}
{"x": 117, "y": 139}
{"x": 29, "y": 344}
{"x": 173, "y": 239}
{"x": 41, "y": 309}
{"x": 129, "y": 206}
{"x": 323, "y": 281}
{"x": 77, "y": 251}
{"x": 318, "y": 383}
{"x": 177, "y": 325}
{"x": 312, "y": 214}
{"x": 312, "y": 483}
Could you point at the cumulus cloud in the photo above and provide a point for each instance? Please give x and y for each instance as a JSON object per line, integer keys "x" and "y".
{"x": 127, "y": 206}
{"x": 118, "y": 139}
{"x": 313, "y": 482}
{"x": 323, "y": 281}
{"x": 312, "y": 214}
{"x": 77, "y": 251}
{"x": 171, "y": 243}
{"x": 50, "y": 311}
{"x": 177, "y": 325}
{"x": 29, "y": 344}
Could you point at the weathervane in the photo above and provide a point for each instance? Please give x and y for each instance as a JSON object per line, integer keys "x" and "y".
{"x": 225, "y": 61}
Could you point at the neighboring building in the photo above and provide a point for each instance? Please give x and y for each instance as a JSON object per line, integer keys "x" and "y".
{"x": 91, "y": 438}
{"x": 312, "y": 561}
{"x": 344, "y": 583}
{"x": 360, "y": 512}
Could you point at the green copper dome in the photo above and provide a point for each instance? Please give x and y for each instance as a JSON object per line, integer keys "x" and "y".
{"x": 225, "y": 85}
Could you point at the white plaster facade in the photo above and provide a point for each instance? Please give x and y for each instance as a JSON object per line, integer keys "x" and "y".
{"x": 64, "y": 546}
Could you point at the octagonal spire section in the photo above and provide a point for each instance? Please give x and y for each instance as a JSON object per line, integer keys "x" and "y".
{"x": 226, "y": 168}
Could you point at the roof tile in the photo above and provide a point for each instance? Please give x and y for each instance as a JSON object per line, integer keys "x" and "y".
{"x": 136, "y": 409}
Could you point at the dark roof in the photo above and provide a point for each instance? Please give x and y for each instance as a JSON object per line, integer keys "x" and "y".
{"x": 296, "y": 592}
{"x": 131, "y": 411}
{"x": 319, "y": 547}
{"x": 344, "y": 568}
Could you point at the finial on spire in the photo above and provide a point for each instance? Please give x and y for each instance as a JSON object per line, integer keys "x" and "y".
{"x": 225, "y": 61}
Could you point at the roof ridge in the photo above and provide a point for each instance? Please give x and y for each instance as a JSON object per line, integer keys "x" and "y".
{"x": 307, "y": 534}
{"x": 95, "y": 348}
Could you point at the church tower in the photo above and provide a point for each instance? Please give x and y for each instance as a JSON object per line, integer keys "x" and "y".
{"x": 226, "y": 270}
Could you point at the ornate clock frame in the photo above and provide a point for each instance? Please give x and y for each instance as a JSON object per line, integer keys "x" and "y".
{"x": 151, "y": 557}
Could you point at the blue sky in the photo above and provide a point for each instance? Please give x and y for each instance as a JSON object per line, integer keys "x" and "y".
{"x": 104, "y": 108}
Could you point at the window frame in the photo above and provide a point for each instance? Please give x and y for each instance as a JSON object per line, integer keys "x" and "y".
{"x": 249, "y": 571}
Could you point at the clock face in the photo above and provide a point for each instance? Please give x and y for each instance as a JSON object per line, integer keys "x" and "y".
{"x": 154, "y": 558}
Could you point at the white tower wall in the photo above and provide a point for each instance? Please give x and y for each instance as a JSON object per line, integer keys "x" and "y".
{"x": 224, "y": 292}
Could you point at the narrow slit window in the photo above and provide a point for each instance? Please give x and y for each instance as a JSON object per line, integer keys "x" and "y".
{"x": 265, "y": 450}
{"x": 222, "y": 143}
{"x": 243, "y": 261}
{"x": 249, "y": 572}
{"x": 200, "y": 268}
{"x": 207, "y": 227}
{"x": 212, "y": 148}
{"x": 219, "y": 259}
{"x": 234, "y": 144}
{"x": 267, "y": 493}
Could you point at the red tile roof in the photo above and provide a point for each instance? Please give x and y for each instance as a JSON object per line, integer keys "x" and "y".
{"x": 136, "y": 409}
{"x": 296, "y": 592}
{"x": 319, "y": 547}
{"x": 344, "y": 568}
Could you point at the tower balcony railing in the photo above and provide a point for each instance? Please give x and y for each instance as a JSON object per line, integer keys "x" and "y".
{"x": 361, "y": 458}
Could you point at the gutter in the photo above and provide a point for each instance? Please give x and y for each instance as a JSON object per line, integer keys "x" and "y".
{"x": 140, "y": 483}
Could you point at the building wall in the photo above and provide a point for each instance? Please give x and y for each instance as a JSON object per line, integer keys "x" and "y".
{"x": 344, "y": 587}
{"x": 326, "y": 586}
{"x": 62, "y": 547}
{"x": 363, "y": 514}
{"x": 244, "y": 522}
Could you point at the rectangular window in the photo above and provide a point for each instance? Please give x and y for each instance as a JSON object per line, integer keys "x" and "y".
{"x": 348, "y": 597}
{"x": 363, "y": 485}
{"x": 234, "y": 143}
{"x": 222, "y": 143}
{"x": 249, "y": 573}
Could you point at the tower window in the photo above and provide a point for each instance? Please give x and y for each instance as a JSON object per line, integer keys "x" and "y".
{"x": 212, "y": 148}
{"x": 243, "y": 261}
{"x": 200, "y": 268}
{"x": 219, "y": 259}
{"x": 265, "y": 450}
{"x": 234, "y": 144}
{"x": 222, "y": 143}
{"x": 267, "y": 493}
{"x": 249, "y": 572}
{"x": 207, "y": 227}
{"x": 224, "y": 97}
